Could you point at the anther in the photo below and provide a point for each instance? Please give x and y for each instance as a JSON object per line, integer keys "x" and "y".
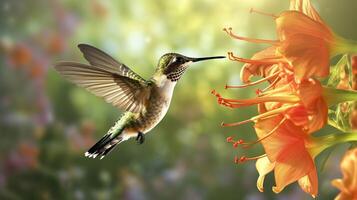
{"x": 237, "y": 143}
{"x": 242, "y": 159}
{"x": 229, "y": 139}
{"x": 236, "y": 159}
{"x": 258, "y": 92}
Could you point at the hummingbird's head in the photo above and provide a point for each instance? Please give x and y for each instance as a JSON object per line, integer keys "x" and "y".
{"x": 173, "y": 65}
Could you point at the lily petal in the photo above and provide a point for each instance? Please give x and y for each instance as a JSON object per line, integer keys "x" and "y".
{"x": 305, "y": 7}
{"x": 291, "y": 165}
{"x": 309, "y": 91}
{"x": 263, "y": 70}
{"x": 264, "y": 166}
{"x": 309, "y": 183}
{"x": 308, "y": 55}
{"x": 290, "y": 23}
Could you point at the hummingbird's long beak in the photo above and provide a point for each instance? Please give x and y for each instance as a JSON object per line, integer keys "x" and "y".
{"x": 206, "y": 58}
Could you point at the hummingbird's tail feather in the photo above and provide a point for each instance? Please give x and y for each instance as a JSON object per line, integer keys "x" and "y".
{"x": 108, "y": 142}
{"x": 116, "y": 134}
{"x": 103, "y": 146}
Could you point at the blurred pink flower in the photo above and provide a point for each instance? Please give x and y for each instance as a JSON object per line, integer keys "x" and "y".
{"x": 19, "y": 55}
{"x": 24, "y": 157}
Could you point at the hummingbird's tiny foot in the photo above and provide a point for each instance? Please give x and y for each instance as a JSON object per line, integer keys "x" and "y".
{"x": 140, "y": 138}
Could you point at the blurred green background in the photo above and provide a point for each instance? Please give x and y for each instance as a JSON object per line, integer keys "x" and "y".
{"x": 46, "y": 123}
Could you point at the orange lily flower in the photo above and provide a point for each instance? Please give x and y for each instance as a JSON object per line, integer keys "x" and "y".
{"x": 289, "y": 112}
{"x": 305, "y": 43}
{"x": 348, "y": 185}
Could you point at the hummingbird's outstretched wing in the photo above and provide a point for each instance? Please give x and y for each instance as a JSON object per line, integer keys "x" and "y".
{"x": 100, "y": 59}
{"x": 107, "y": 78}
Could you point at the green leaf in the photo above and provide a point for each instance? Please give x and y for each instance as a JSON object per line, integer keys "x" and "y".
{"x": 341, "y": 72}
{"x": 341, "y": 77}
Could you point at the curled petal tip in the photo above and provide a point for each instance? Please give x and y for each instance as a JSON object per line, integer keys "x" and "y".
{"x": 276, "y": 190}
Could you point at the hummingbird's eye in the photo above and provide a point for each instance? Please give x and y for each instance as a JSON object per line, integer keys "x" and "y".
{"x": 179, "y": 60}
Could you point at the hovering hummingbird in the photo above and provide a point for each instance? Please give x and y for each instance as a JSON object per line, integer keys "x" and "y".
{"x": 145, "y": 101}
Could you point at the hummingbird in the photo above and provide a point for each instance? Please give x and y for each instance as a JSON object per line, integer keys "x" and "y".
{"x": 145, "y": 102}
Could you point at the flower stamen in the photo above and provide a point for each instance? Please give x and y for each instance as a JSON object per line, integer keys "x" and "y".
{"x": 272, "y": 84}
{"x": 268, "y": 61}
{"x": 230, "y": 33}
{"x": 253, "y": 83}
{"x": 236, "y": 103}
{"x": 248, "y": 144}
{"x": 235, "y": 143}
{"x": 265, "y": 115}
{"x": 252, "y": 10}
{"x": 236, "y": 123}
{"x": 285, "y": 88}
{"x": 244, "y": 158}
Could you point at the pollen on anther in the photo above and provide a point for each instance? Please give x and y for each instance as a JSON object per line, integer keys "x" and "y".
{"x": 229, "y": 139}
{"x": 242, "y": 159}
{"x": 227, "y": 29}
{"x": 236, "y": 159}
{"x": 258, "y": 92}
{"x": 235, "y": 145}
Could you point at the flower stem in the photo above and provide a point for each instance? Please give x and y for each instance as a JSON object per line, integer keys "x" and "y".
{"x": 344, "y": 46}
{"x": 318, "y": 144}
{"x": 335, "y": 96}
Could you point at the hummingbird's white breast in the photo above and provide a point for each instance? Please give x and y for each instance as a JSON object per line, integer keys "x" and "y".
{"x": 156, "y": 110}
{"x": 165, "y": 88}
